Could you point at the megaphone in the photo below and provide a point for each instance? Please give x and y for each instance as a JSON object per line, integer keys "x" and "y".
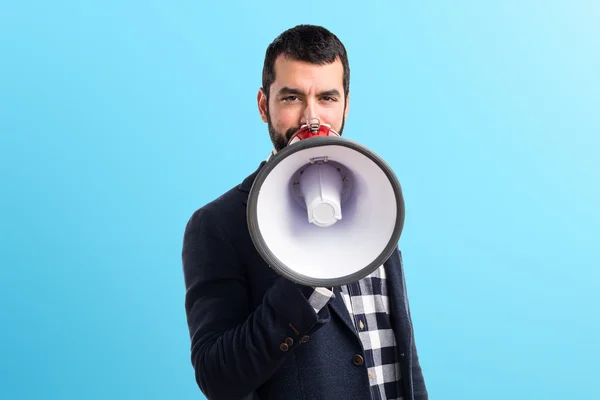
{"x": 325, "y": 210}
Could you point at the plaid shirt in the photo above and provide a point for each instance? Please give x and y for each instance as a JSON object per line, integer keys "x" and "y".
{"x": 367, "y": 303}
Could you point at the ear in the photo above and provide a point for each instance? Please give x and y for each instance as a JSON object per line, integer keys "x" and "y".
{"x": 261, "y": 99}
{"x": 347, "y": 106}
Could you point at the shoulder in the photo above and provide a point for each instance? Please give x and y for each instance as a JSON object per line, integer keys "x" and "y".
{"x": 217, "y": 213}
{"x": 225, "y": 212}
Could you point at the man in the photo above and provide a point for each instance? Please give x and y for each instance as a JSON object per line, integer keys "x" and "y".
{"x": 257, "y": 335}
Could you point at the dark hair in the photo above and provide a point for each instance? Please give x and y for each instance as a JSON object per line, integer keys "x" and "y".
{"x": 309, "y": 43}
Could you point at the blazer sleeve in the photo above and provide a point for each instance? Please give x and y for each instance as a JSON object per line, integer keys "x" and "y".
{"x": 419, "y": 387}
{"x": 235, "y": 349}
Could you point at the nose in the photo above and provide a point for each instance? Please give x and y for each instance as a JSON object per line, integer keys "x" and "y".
{"x": 310, "y": 112}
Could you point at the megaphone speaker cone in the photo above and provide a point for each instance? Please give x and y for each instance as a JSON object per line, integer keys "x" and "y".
{"x": 325, "y": 211}
{"x": 321, "y": 188}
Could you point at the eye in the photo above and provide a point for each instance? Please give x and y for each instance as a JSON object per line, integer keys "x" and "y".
{"x": 290, "y": 98}
{"x": 329, "y": 98}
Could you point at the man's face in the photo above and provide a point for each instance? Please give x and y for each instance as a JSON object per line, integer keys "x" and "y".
{"x": 303, "y": 90}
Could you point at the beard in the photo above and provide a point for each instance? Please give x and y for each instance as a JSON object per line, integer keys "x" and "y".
{"x": 281, "y": 139}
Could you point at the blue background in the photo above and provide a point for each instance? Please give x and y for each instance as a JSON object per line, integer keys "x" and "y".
{"x": 119, "y": 119}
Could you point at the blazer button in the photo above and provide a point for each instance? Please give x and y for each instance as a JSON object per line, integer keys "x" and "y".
{"x": 358, "y": 360}
{"x": 304, "y": 339}
{"x": 289, "y": 341}
{"x": 284, "y": 347}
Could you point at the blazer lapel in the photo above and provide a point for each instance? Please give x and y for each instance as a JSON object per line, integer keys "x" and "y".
{"x": 400, "y": 317}
{"x": 338, "y": 307}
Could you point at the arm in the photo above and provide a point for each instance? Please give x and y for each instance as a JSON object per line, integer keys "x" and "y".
{"x": 419, "y": 386}
{"x": 418, "y": 381}
{"x": 235, "y": 349}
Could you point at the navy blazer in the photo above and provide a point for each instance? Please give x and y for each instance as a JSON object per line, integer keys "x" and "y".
{"x": 253, "y": 333}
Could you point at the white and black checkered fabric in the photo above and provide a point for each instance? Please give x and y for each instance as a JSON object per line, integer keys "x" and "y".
{"x": 368, "y": 305}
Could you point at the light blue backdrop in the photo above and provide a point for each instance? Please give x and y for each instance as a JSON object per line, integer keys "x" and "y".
{"x": 119, "y": 119}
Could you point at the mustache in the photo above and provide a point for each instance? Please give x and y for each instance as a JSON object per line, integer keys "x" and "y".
{"x": 290, "y": 132}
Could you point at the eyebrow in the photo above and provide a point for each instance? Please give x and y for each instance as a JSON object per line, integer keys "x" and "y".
{"x": 288, "y": 90}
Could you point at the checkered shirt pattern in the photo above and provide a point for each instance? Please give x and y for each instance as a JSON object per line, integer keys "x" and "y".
{"x": 368, "y": 305}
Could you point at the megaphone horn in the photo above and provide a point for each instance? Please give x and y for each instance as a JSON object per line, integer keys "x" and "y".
{"x": 325, "y": 210}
